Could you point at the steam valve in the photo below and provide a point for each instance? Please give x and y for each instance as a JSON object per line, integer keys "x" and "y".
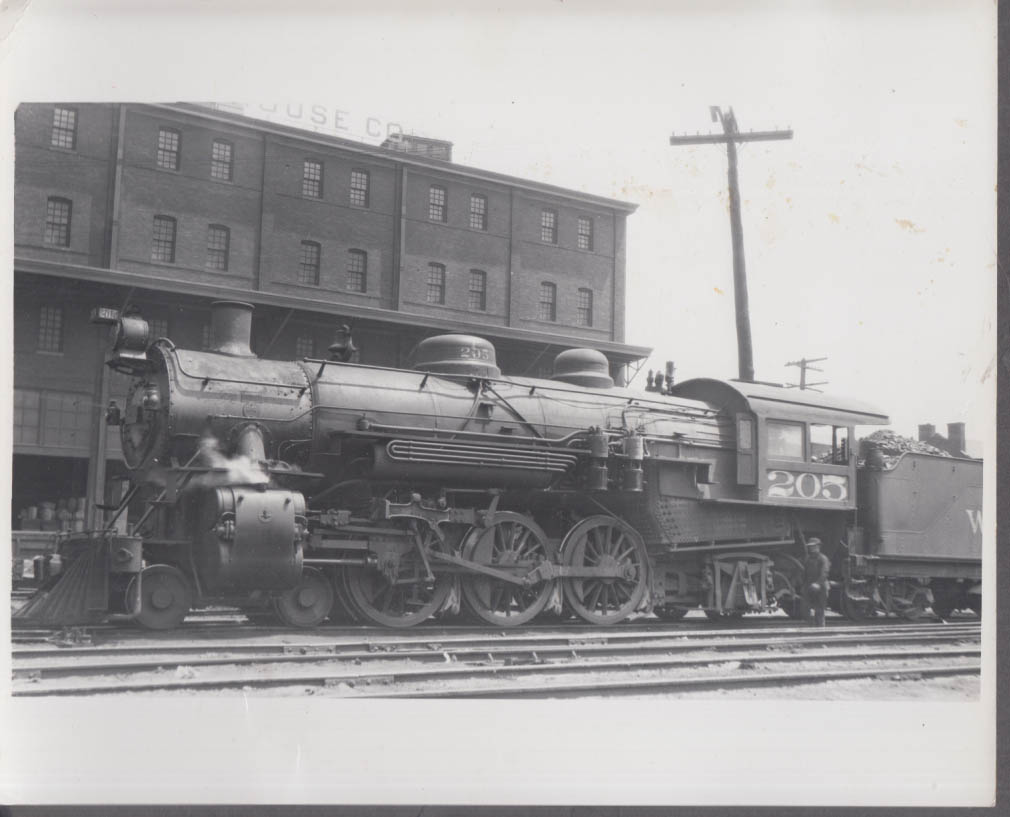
{"x": 634, "y": 450}
{"x": 599, "y": 451}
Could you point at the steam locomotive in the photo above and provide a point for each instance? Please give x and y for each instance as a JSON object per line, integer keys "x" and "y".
{"x": 305, "y": 490}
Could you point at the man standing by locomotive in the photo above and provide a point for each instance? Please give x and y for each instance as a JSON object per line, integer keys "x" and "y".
{"x": 815, "y": 582}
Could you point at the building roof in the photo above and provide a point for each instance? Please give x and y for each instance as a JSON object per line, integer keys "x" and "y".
{"x": 387, "y": 154}
{"x": 619, "y": 352}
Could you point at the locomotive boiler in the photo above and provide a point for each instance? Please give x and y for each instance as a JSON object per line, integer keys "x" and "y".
{"x": 302, "y": 490}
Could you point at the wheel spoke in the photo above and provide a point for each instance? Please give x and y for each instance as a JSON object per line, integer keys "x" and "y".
{"x": 625, "y": 554}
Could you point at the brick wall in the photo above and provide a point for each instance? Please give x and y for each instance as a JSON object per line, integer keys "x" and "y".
{"x": 81, "y": 175}
{"x": 332, "y": 222}
{"x": 510, "y": 251}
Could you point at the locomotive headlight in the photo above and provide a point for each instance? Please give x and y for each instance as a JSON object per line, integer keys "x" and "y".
{"x": 133, "y": 334}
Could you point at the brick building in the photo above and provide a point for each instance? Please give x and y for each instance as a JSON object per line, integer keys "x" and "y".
{"x": 168, "y": 207}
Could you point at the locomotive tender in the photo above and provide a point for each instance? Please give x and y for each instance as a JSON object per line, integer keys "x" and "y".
{"x": 307, "y": 489}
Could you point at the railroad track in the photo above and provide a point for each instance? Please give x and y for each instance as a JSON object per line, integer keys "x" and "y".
{"x": 468, "y": 662}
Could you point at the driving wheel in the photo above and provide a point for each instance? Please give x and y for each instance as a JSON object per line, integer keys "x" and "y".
{"x": 512, "y": 541}
{"x": 398, "y": 593}
{"x": 605, "y": 541}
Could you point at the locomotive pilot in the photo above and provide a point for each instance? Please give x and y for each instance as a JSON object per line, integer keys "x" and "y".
{"x": 815, "y": 582}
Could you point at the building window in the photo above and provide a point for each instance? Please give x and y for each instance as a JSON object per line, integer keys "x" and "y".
{"x": 585, "y": 233}
{"x": 163, "y": 245}
{"x": 478, "y": 290}
{"x": 584, "y": 308}
{"x": 51, "y": 329}
{"x": 478, "y": 212}
{"x": 305, "y": 346}
{"x": 548, "y": 302}
{"x": 64, "y": 128}
{"x": 220, "y": 161}
{"x": 26, "y": 416}
{"x": 357, "y": 271}
{"x": 359, "y": 188}
{"x": 168, "y": 148}
{"x": 436, "y": 203}
{"x": 158, "y": 327}
{"x": 436, "y": 283}
{"x": 549, "y": 226}
{"x": 218, "y": 241}
{"x": 67, "y": 419}
{"x": 58, "y": 222}
{"x": 312, "y": 179}
{"x": 308, "y": 263}
{"x": 206, "y": 336}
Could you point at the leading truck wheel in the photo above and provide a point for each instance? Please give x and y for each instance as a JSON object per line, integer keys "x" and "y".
{"x": 165, "y": 597}
{"x": 308, "y": 603}
{"x": 604, "y": 541}
{"x": 512, "y": 540}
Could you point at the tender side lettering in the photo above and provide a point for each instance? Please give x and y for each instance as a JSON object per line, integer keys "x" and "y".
{"x": 821, "y": 487}
{"x": 974, "y": 519}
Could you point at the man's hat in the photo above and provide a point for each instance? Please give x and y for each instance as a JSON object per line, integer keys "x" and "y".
{"x": 813, "y": 541}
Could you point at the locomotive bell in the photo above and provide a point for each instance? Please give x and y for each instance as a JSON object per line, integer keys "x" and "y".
{"x": 583, "y": 367}
{"x": 457, "y": 354}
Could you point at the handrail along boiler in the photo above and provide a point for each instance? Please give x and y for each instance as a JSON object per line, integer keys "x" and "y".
{"x": 314, "y": 488}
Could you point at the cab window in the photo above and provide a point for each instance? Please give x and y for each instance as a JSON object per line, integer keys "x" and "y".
{"x": 785, "y": 440}
{"x": 829, "y": 444}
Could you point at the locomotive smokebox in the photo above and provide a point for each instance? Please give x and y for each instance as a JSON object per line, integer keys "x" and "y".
{"x": 231, "y": 328}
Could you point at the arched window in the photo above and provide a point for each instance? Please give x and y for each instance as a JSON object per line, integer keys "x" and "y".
{"x": 357, "y": 271}
{"x": 548, "y": 302}
{"x": 169, "y": 148}
{"x": 478, "y": 290}
{"x": 57, "y": 230}
{"x": 218, "y": 242}
{"x": 308, "y": 263}
{"x": 436, "y": 283}
{"x": 359, "y": 188}
{"x": 163, "y": 240}
{"x": 436, "y": 203}
{"x": 220, "y": 160}
{"x": 584, "y": 308}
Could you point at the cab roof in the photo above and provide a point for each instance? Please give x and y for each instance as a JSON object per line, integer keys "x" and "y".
{"x": 778, "y": 402}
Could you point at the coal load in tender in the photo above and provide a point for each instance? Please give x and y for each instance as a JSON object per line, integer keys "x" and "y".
{"x": 892, "y": 446}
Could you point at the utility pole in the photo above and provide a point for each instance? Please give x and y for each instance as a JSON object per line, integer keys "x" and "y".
{"x": 729, "y": 137}
{"x": 804, "y": 366}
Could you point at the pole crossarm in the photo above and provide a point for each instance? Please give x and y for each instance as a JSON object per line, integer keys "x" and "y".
{"x": 722, "y": 139}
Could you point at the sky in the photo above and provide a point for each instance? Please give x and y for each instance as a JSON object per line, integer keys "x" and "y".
{"x": 869, "y": 237}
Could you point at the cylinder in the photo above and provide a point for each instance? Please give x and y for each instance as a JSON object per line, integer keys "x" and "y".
{"x": 231, "y": 328}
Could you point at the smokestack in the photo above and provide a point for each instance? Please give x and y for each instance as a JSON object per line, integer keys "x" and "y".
{"x": 231, "y": 328}
{"x": 955, "y": 435}
{"x": 926, "y": 431}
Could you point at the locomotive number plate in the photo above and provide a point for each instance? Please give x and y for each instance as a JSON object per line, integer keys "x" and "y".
{"x": 473, "y": 353}
{"x": 797, "y": 485}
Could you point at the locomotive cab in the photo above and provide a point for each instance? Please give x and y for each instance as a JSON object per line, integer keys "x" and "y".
{"x": 793, "y": 448}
